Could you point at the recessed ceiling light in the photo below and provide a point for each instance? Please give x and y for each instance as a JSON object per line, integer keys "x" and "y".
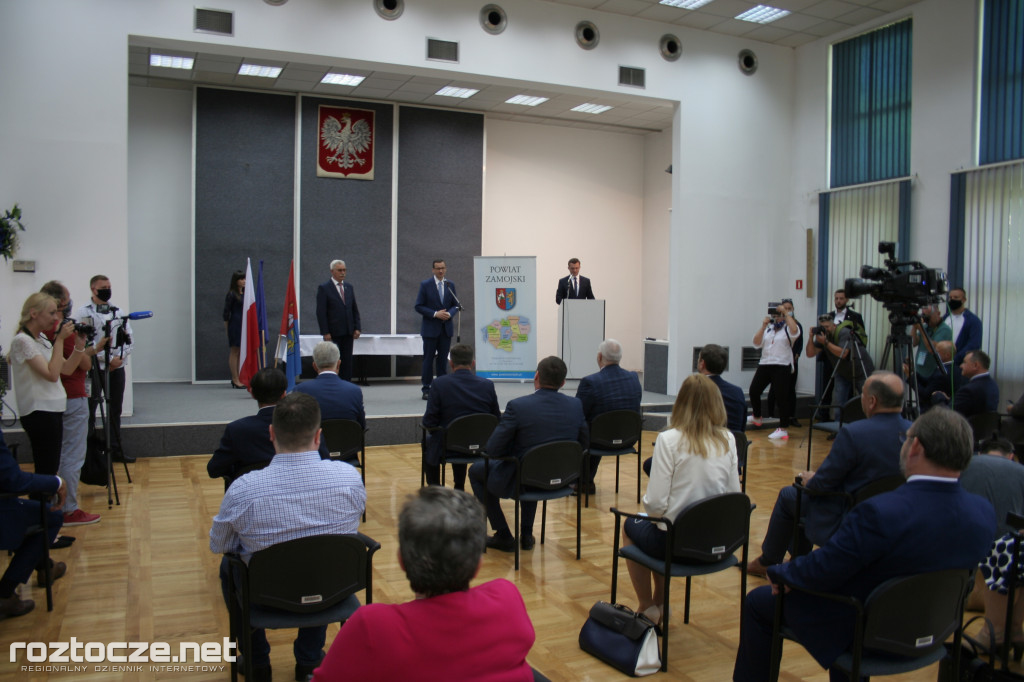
{"x": 451, "y": 91}
{"x": 259, "y": 70}
{"x": 685, "y": 4}
{"x": 171, "y": 62}
{"x": 763, "y": 14}
{"x": 591, "y": 108}
{"x": 342, "y": 79}
{"x": 526, "y": 100}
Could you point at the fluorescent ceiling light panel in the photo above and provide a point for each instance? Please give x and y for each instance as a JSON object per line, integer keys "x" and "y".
{"x": 526, "y": 100}
{"x": 763, "y": 14}
{"x": 685, "y": 4}
{"x": 342, "y": 79}
{"x": 591, "y": 108}
{"x": 259, "y": 70}
{"x": 451, "y": 91}
{"x": 171, "y": 62}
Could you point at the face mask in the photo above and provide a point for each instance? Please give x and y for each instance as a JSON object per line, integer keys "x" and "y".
{"x": 103, "y": 294}
{"x": 955, "y": 305}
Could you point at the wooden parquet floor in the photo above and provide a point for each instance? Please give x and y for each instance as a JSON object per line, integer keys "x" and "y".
{"x": 145, "y": 572}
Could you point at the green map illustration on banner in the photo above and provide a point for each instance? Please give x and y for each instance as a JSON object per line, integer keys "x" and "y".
{"x": 503, "y": 333}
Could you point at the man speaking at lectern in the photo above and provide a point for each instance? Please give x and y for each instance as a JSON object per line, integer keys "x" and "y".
{"x": 573, "y": 285}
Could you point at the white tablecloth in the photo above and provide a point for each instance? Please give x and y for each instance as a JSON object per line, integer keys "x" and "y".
{"x": 372, "y": 344}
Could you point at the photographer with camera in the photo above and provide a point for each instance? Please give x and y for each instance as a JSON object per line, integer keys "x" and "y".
{"x": 843, "y": 347}
{"x": 776, "y": 337}
{"x": 107, "y": 323}
{"x": 925, "y": 340}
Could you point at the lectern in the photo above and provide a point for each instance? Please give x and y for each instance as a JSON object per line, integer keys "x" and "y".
{"x": 580, "y": 332}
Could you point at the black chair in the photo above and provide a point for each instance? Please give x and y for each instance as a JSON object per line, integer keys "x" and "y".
{"x": 702, "y": 540}
{"x": 985, "y": 425}
{"x": 346, "y": 441}
{"x": 742, "y": 445}
{"x": 242, "y": 471}
{"x": 300, "y": 583}
{"x": 900, "y": 627}
{"x": 546, "y": 472}
{"x": 613, "y": 434}
{"x": 851, "y": 411}
{"x": 800, "y": 544}
{"x": 466, "y": 436}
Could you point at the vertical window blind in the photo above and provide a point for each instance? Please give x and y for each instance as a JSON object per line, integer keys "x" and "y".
{"x": 1002, "y": 82}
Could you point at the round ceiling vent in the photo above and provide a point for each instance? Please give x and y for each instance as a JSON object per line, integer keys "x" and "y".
{"x": 389, "y": 9}
{"x": 670, "y": 47}
{"x": 493, "y": 19}
{"x": 275, "y": 3}
{"x": 747, "y": 62}
{"x": 587, "y": 35}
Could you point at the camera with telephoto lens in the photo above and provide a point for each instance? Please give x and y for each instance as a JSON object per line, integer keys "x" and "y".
{"x": 904, "y": 286}
{"x": 84, "y": 328}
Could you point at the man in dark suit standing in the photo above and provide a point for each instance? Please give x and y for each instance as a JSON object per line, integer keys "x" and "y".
{"x": 16, "y": 516}
{"x": 574, "y": 285}
{"x": 890, "y": 535}
{"x": 338, "y": 315}
{"x": 436, "y": 302}
{"x": 454, "y": 395}
{"x": 979, "y": 393}
{"x": 246, "y": 441}
{"x": 339, "y": 399}
{"x": 612, "y": 388}
{"x": 542, "y": 417}
{"x": 966, "y": 326}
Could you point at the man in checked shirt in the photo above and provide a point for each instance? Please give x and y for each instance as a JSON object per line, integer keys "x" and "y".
{"x": 297, "y": 495}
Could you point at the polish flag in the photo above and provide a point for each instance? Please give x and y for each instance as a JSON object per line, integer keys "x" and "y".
{"x": 248, "y": 361}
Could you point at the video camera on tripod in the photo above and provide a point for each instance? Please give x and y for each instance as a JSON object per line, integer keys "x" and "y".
{"x": 900, "y": 286}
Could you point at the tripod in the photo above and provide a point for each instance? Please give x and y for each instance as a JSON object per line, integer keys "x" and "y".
{"x": 101, "y": 380}
{"x": 851, "y": 351}
{"x": 900, "y": 345}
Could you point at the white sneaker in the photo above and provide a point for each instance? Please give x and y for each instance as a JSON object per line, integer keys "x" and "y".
{"x": 779, "y": 434}
{"x": 751, "y": 419}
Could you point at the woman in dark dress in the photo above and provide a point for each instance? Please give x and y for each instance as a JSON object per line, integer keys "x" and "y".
{"x": 233, "y": 323}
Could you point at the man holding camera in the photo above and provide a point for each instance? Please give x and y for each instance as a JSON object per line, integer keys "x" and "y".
{"x": 844, "y": 348}
{"x": 119, "y": 331}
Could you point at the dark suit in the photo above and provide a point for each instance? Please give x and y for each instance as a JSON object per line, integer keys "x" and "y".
{"x": 339, "y": 319}
{"x": 891, "y": 535}
{"x": 735, "y": 403}
{"x": 437, "y": 334}
{"x": 451, "y": 396}
{"x": 969, "y": 337}
{"x": 612, "y": 388}
{"x": 948, "y": 383}
{"x": 246, "y": 442}
{"x": 566, "y": 291}
{"x": 18, "y": 514}
{"x": 339, "y": 399}
{"x": 542, "y": 417}
{"x": 979, "y": 395}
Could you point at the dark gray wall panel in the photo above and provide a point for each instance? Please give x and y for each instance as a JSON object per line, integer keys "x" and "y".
{"x": 245, "y": 151}
{"x": 440, "y": 197}
{"x": 347, "y": 219}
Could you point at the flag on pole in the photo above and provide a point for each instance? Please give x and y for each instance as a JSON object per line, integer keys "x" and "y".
{"x": 248, "y": 363}
{"x": 288, "y": 348}
{"x": 261, "y": 318}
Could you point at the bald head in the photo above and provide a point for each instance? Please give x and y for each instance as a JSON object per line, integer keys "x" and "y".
{"x": 945, "y": 350}
{"x": 882, "y": 393}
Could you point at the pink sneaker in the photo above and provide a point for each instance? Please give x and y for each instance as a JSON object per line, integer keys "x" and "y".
{"x": 755, "y": 421}
{"x": 80, "y": 518}
{"x": 779, "y": 434}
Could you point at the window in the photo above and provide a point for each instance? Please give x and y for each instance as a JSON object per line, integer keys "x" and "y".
{"x": 1002, "y": 82}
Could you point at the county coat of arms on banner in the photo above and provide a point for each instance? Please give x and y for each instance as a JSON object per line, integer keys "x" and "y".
{"x": 345, "y": 142}
{"x": 505, "y": 298}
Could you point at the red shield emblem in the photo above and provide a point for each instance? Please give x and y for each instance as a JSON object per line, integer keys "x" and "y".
{"x": 505, "y": 298}
{"x": 345, "y": 143}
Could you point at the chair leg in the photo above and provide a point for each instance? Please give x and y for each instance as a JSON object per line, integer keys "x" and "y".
{"x": 686, "y": 606}
{"x": 585, "y": 481}
{"x": 617, "y": 474}
{"x": 615, "y": 554}
{"x": 578, "y": 519}
{"x": 543, "y": 519}
{"x": 47, "y": 564}
{"x": 664, "y": 621}
{"x": 517, "y": 533}
{"x": 638, "y": 470}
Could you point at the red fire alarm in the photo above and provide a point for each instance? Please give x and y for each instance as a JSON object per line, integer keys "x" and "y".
{"x": 799, "y": 284}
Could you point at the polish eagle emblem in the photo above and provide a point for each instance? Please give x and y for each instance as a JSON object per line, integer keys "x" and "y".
{"x": 346, "y": 140}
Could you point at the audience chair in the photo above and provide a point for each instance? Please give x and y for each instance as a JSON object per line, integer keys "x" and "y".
{"x": 852, "y": 411}
{"x": 300, "y": 583}
{"x": 346, "y": 441}
{"x": 900, "y": 627}
{"x": 613, "y": 434}
{"x": 242, "y": 471}
{"x": 702, "y": 540}
{"x": 742, "y": 445}
{"x": 985, "y": 425}
{"x": 546, "y": 472}
{"x": 465, "y": 436}
{"x": 42, "y": 527}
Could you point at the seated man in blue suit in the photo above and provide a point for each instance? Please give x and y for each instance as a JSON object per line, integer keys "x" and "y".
{"x": 542, "y": 417}
{"x": 454, "y": 395}
{"x": 979, "y": 393}
{"x": 612, "y": 388}
{"x": 863, "y": 451}
{"x": 339, "y": 399}
{"x": 930, "y": 523}
{"x": 16, "y": 516}
{"x": 246, "y": 442}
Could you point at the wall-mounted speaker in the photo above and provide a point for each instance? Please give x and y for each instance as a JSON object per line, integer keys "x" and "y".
{"x": 670, "y": 47}
{"x": 587, "y": 35}
{"x": 747, "y": 62}
{"x": 389, "y": 9}
{"x": 493, "y": 19}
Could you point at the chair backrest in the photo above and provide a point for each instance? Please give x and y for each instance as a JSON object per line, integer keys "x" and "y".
{"x": 552, "y": 465}
{"x": 711, "y": 529}
{"x": 877, "y": 487}
{"x": 308, "y": 574}
{"x": 852, "y": 411}
{"x": 343, "y": 436}
{"x": 468, "y": 434}
{"x": 741, "y": 447}
{"x": 984, "y": 425}
{"x": 615, "y": 430}
{"x": 913, "y": 615}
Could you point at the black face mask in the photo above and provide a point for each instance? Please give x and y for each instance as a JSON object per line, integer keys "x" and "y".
{"x": 955, "y": 305}
{"x": 103, "y": 294}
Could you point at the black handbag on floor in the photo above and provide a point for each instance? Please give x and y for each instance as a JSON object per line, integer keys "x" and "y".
{"x": 622, "y": 638}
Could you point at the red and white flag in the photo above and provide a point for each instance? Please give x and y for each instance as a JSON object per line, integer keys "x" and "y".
{"x": 248, "y": 361}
